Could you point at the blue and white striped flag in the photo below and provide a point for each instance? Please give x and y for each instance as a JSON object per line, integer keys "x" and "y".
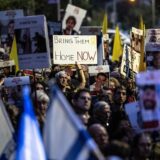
{"x": 30, "y": 145}
{"x": 65, "y": 137}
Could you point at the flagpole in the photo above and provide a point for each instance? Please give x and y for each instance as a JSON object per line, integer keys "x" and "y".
{"x": 59, "y": 10}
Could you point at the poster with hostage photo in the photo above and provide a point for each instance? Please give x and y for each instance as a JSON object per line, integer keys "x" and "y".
{"x": 72, "y": 20}
{"x": 12, "y": 90}
{"x": 7, "y": 20}
{"x": 136, "y": 39}
{"x": 148, "y": 114}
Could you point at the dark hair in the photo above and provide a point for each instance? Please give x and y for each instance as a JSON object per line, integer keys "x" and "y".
{"x": 71, "y": 18}
{"x": 78, "y": 93}
{"x": 120, "y": 88}
{"x": 152, "y": 87}
{"x": 101, "y": 74}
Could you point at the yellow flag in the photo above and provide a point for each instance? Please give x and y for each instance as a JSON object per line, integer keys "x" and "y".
{"x": 142, "y": 66}
{"x": 13, "y": 55}
{"x": 117, "y": 46}
{"x": 105, "y": 24}
{"x": 141, "y": 24}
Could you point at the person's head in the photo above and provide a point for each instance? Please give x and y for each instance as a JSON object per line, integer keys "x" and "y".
{"x": 40, "y": 86}
{"x": 149, "y": 97}
{"x": 156, "y": 60}
{"x": 101, "y": 111}
{"x": 70, "y": 22}
{"x": 142, "y": 145}
{"x": 101, "y": 78}
{"x": 82, "y": 100}
{"x": 120, "y": 95}
{"x": 118, "y": 149}
{"x": 61, "y": 78}
{"x": 113, "y": 83}
{"x": 42, "y": 100}
{"x": 99, "y": 134}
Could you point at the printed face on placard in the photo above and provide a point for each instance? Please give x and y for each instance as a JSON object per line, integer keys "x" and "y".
{"x": 149, "y": 97}
{"x": 153, "y": 59}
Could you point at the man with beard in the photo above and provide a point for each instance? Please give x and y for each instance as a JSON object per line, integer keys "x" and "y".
{"x": 149, "y": 111}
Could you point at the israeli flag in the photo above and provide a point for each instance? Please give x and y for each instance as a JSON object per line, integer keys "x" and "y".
{"x": 65, "y": 137}
{"x": 30, "y": 146}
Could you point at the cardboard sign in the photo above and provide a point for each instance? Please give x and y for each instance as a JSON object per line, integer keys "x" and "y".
{"x": 77, "y": 13}
{"x": 132, "y": 110}
{"x": 7, "y": 19}
{"x": 7, "y": 142}
{"x": 152, "y": 49}
{"x": 6, "y": 63}
{"x": 149, "y": 102}
{"x": 153, "y": 36}
{"x": 32, "y": 42}
{"x": 71, "y": 49}
{"x": 130, "y": 62}
{"x": 14, "y": 81}
{"x": 136, "y": 39}
{"x": 96, "y": 69}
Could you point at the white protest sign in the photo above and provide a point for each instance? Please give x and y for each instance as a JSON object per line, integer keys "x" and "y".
{"x": 152, "y": 36}
{"x": 149, "y": 102}
{"x": 33, "y": 43}
{"x": 131, "y": 110}
{"x": 6, "y": 63}
{"x": 7, "y": 143}
{"x": 130, "y": 62}
{"x": 98, "y": 69}
{"x": 136, "y": 39}
{"x": 70, "y": 49}
{"x": 75, "y": 11}
{"x": 14, "y": 81}
{"x": 149, "y": 77}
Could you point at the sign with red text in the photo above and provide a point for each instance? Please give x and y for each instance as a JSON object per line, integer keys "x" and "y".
{"x": 97, "y": 69}
{"x": 70, "y": 49}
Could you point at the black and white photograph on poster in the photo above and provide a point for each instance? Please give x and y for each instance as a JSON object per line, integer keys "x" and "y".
{"x": 105, "y": 40}
{"x": 149, "y": 103}
{"x": 136, "y": 39}
{"x": 7, "y": 19}
{"x": 152, "y": 36}
{"x": 72, "y": 20}
{"x": 130, "y": 62}
{"x": 153, "y": 60}
{"x": 32, "y": 42}
{"x": 12, "y": 90}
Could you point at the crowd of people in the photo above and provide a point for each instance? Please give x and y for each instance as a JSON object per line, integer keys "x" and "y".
{"x": 101, "y": 110}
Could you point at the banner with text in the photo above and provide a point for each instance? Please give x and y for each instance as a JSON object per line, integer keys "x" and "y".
{"x": 71, "y": 49}
{"x": 130, "y": 62}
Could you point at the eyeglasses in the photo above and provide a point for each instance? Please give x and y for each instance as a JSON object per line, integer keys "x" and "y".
{"x": 39, "y": 88}
{"x": 83, "y": 98}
